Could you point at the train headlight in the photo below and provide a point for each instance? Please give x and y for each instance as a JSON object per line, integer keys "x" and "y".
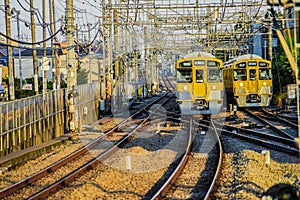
{"x": 185, "y": 88}
{"x": 241, "y": 84}
{"x": 264, "y": 83}
{"x": 214, "y": 87}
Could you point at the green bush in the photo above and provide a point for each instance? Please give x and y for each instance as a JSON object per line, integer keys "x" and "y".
{"x": 19, "y": 93}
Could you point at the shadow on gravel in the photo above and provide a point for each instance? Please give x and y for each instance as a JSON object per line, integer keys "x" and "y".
{"x": 103, "y": 190}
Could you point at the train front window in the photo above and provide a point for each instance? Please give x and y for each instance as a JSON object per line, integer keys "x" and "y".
{"x": 265, "y": 74}
{"x": 184, "y": 75}
{"x": 199, "y": 62}
{"x": 199, "y": 76}
{"x": 252, "y": 63}
{"x": 240, "y": 74}
{"x": 214, "y": 75}
{"x": 211, "y": 63}
{"x": 187, "y": 63}
{"x": 263, "y": 64}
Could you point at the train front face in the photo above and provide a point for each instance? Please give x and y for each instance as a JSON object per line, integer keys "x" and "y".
{"x": 199, "y": 86}
{"x": 252, "y": 83}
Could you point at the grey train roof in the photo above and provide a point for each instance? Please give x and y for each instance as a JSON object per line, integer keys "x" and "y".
{"x": 248, "y": 56}
{"x": 199, "y": 54}
{"x": 243, "y": 57}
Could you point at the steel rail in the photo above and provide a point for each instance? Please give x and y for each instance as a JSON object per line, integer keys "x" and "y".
{"x": 168, "y": 84}
{"x": 27, "y": 181}
{"x": 171, "y": 180}
{"x": 172, "y": 86}
{"x": 163, "y": 190}
{"x": 291, "y": 124}
{"x": 261, "y": 142}
{"x": 282, "y": 133}
{"x": 261, "y": 134}
{"x": 220, "y": 158}
{"x": 100, "y": 158}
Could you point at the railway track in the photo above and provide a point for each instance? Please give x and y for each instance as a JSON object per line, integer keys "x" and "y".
{"x": 275, "y": 122}
{"x": 278, "y": 117}
{"x": 290, "y": 115}
{"x": 83, "y": 152}
{"x": 174, "y": 186}
{"x": 167, "y": 85}
{"x": 268, "y": 136}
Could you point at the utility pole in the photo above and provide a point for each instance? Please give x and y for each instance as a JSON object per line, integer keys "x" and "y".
{"x": 71, "y": 68}
{"x": 146, "y": 60}
{"x": 107, "y": 51}
{"x": 89, "y": 35}
{"x": 270, "y": 36}
{"x": 19, "y": 38}
{"x": 52, "y": 45}
{"x": 77, "y": 48}
{"x": 297, "y": 47}
{"x": 34, "y": 53}
{"x": 10, "y": 53}
{"x": 136, "y": 61}
{"x": 57, "y": 72}
{"x": 44, "y": 45}
{"x": 116, "y": 45}
{"x": 71, "y": 64}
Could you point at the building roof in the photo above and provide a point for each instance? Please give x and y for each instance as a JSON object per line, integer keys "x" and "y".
{"x": 40, "y": 52}
{"x": 3, "y": 51}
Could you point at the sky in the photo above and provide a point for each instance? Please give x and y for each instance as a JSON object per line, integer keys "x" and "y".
{"x": 87, "y": 12}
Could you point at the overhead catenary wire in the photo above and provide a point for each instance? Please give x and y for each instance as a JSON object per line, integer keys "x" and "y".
{"x": 28, "y": 22}
{"x": 66, "y": 47}
{"x": 86, "y": 31}
{"x": 30, "y": 43}
{"x": 92, "y": 42}
{"x": 36, "y": 12}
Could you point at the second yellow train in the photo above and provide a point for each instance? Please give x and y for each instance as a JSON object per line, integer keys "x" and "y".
{"x": 248, "y": 81}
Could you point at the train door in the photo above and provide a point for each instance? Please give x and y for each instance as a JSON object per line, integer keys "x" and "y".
{"x": 199, "y": 89}
{"x": 253, "y": 83}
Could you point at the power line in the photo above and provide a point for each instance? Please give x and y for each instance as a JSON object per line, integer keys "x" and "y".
{"x": 28, "y": 22}
{"x": 29, "y": 43}
{"x": 86, "y": 31}
{"x": 94, "y": 39}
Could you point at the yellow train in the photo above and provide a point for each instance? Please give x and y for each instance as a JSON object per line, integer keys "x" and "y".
{"x": 248, "y": 81}
{"x": 199, "y": 84}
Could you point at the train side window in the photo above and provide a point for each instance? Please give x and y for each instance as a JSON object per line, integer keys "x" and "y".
{"x": 199, "y": 76}
{"x": 265, "y": 74}
{"x": 252, "y": 74}
{"x": 240, "y": 74}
